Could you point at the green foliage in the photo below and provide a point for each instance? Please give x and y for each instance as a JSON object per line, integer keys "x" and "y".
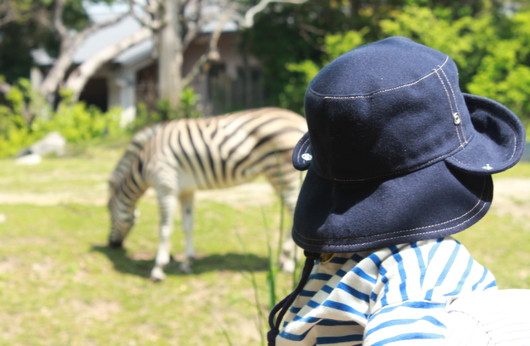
{"x": 79, "y": 122}
{"x": 188, "y": 108}
{"x": 18, "y": 127}
{"x": 491, "y": 49}
{"x": 504, "y": 74}
{"x": 288, "y": 34}
{"x": 32, "y": 27}
{"x": 189, "y": 101}
{"x": 27, "y": 118}
{"x": 303, "y": 72}
{"x": 492, "y": 53}
{"x": 465, "y": 39}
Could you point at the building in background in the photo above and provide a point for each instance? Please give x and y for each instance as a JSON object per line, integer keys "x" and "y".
{"x": 232, "y": 82}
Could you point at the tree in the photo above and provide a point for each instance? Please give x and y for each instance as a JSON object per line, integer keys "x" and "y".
{"x": 490, "y": 49}
{"x": 177, "y": 23}
{"x": 57, "y": 26}
{"x": 70, "y": 41}
{"x": 173, "y": 24}
{"x": 27, "y": 19}
{"x": 488, "y": 39}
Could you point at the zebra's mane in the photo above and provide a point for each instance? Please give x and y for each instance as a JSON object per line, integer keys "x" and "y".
{"x": 132, "y": 153}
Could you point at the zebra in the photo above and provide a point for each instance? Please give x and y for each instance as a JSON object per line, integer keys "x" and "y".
{"x": 179, "y": 157}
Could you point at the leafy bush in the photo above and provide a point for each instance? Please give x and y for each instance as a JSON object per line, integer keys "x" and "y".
{"x": 26, "y": 117}
{"x": 303, "y": 72}
{"x": 492, "y": 54}
{"x": 189, "y": 104}
{"x": 78, "y": 122}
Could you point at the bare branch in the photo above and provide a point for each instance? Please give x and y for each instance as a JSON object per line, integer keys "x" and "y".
{"x": 212, "y": 52}
{"x": 4, "y": 87}
{"x": 194, "y": 23}
{"x": 153, "y": 17}
{"x": 185, "y": 3}
{"x": 78, "y": 78}
{"x": 248, "y": 20}
{"x": 58, "y": 18}
{"x": 7, "y": 13}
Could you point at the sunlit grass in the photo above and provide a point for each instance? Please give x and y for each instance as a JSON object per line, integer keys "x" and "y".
{"x": 522, "y": 169}
{"x": 501, "y": 240}
{"x": 61, "y": 285}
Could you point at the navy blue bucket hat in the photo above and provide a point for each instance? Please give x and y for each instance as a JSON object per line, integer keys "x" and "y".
{"x": 395, "y": 151}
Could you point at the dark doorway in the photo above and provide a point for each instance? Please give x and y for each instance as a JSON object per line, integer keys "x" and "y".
{"x": 96, "y": 93}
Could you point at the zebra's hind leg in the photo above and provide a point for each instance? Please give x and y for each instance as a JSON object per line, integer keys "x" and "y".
{"x": 167, "y": 201}
{"x": 186, "y": 205}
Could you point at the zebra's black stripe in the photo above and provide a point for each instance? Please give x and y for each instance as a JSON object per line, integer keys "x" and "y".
{"x": 209, "y": 156}
{"x": 198, "y": 156}
{"x": 172, "y": 135}
{"x": 186, "y": 156}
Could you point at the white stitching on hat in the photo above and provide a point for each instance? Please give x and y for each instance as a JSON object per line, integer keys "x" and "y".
{"x": 380, "y": 91}
{"x": 459, "y": 128}
{"x": 514, "y": 135}
{"x": 484, "y": 189}
{"x": 462, "y": 142}
{"x": 452, "y": 91}
{"x": 397, "y": 237}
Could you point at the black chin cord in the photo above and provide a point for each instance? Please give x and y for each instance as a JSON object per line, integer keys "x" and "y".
{"x": 283, "y": 306}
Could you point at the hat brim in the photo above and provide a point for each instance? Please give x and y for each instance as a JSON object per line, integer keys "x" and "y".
{"x": 433, "y": 202}
{"x": 498, "y": 141}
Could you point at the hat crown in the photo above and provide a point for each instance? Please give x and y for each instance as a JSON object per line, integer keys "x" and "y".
{"x": 377, "y": 66}
{"x": 385, "y": 109}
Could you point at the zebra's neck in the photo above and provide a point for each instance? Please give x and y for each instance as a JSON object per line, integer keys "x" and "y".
{"x": 127, "y": 180}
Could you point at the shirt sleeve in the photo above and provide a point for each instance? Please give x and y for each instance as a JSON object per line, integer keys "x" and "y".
{"x": 413, "y": 289}
{"x": 407, "y": 323}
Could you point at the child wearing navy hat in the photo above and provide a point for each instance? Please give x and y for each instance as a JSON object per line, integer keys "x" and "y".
{"x": 398, "y": 160}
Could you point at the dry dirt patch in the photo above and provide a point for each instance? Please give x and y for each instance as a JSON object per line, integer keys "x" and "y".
{"x": 257, "y": 193}
{"x": 512, "y": 196}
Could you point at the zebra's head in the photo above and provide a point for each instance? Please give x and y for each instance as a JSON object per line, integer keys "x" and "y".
{"x": 122, "y": 216}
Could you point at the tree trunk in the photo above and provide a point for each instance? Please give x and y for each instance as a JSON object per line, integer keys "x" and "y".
{"x": 171, "y": 56}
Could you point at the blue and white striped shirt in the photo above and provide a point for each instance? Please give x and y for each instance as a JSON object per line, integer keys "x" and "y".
{"x": 397, "y": 295}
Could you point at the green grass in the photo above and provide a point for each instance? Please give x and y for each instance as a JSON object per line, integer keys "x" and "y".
{"x": 501, "y": 240}
{"x": 61, "y": 285}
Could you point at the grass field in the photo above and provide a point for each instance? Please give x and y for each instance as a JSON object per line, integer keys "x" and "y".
{"x": 61, "y": 285}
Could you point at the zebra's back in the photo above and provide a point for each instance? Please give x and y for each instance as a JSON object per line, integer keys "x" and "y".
{"x": 227, "y": 150}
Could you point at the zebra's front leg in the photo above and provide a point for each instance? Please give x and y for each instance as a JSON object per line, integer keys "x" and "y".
{"x": 186, "y": 204}
{"x": 167, "y": 201}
